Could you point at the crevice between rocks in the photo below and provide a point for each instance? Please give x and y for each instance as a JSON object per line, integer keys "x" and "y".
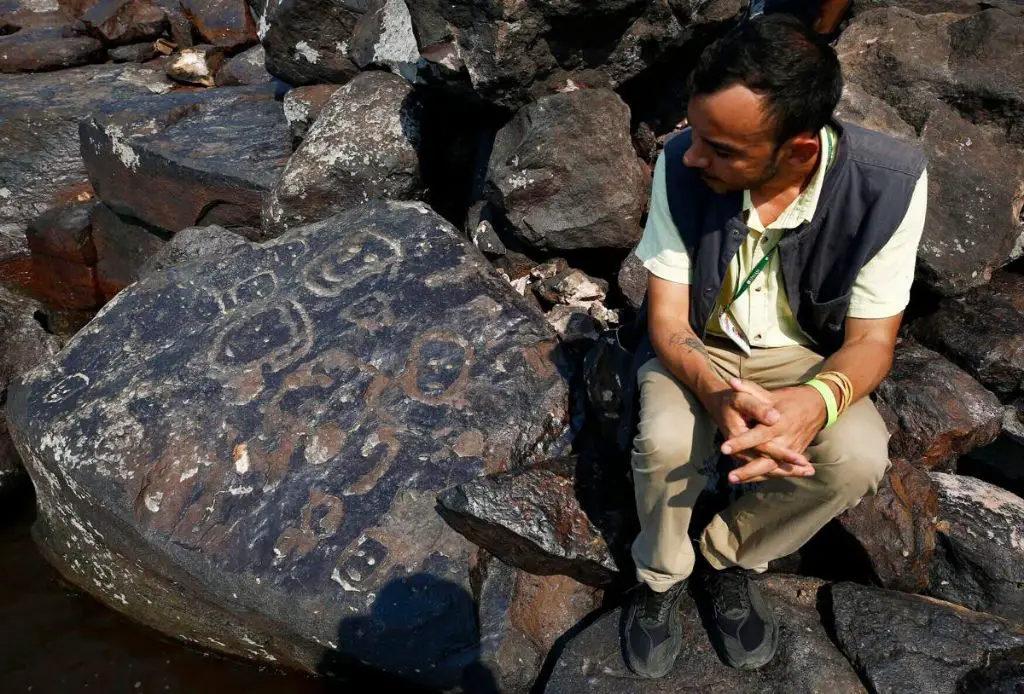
{"x": 826, "y": 613}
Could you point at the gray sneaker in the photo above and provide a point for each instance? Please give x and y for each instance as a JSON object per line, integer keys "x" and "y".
{"x": 740, "y": 621}
{"x": 652, "y": 632}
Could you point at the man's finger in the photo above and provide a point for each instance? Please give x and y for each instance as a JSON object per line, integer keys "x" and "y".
{"x": 757, "y": 409}
{"x": 757, "y": 468}
{"x": 741, "y": 385}
{"x": 784, "y": 455}
{"x": 754, "y": 438}
{"x": 787, "y": 470}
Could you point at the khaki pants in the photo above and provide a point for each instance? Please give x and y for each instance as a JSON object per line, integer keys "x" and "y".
{"x": 676, "y": 437}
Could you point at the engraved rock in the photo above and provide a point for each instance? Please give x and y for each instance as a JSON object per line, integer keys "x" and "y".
{"x": 521, "y": 618}
{"x": 907, "y": 643}
{"x": 592, "y": 661}
{"x": 980, "y": 562}
{"x": 190, "y": 158}
{"x": 244, "y": 451}
{"x": 981, "y": 333}
{"x": 363, "y": 145}
{"x": 556, "y": 195}
{"x": 935, "y": 411}
{"x": 23, "y": 345}
{"x": 896, "y": 527}
{"x": 41, "y": 164}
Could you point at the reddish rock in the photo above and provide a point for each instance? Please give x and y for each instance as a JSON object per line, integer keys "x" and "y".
{"x": 935, "y": 411}
{"x": 224, "y": 23}
{"x": 123, "y": 245}
{"x": 521, "y": 618}
{"x": 121, "y": 22}
{"x": 896, "y": 527}
{"x": 64, "y": 232}
{"x": 981, "y": 332}
{"x": 37, "y": 50}
{"x": 63, "y": 285}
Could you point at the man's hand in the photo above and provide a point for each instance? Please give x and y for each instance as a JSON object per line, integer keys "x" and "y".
{"x": 735, "y": 411}
{"x": 801, "y": 416}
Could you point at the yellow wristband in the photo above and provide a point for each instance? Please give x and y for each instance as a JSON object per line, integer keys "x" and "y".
{"x": 831, "y": 409}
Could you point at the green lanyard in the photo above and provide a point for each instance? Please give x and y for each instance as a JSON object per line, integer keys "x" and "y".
{"x": 761, "y": 265}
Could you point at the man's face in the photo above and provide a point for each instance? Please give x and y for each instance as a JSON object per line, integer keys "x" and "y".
{"x": 733, "y": 140}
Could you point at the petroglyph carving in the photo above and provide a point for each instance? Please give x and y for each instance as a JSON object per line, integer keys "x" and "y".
{"x": 437, "y": 371}
{"x": 321, "y": 518}
{"x": 66, "y": 388}
{"x": 276, "y": 335}
{"x": 371, "y": 312}
{"x": 350, "y": 261}
{"x": 359, "y": 562}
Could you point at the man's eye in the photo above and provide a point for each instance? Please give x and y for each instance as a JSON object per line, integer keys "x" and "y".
{"x": 722, "y": 154}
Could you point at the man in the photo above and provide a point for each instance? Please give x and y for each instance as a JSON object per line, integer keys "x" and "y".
{"x": 823, "y": 15}
{"x": 780, "y": 244}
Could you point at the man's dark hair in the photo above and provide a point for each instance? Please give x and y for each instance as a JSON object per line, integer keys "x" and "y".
{"x": 780, "y": 58}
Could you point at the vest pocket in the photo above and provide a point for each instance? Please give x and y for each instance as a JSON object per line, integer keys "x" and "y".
{"x": 827, "y": 316}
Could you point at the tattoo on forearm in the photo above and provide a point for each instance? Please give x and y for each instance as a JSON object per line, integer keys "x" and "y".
{"x": 691, "y": 344}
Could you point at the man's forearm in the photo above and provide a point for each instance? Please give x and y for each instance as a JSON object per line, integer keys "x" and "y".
{"x": 687, "y": 358}
{"x": 864, "y": 362}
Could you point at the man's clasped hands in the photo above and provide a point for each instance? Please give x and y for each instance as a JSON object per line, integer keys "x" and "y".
{"x": 769, "y": 431}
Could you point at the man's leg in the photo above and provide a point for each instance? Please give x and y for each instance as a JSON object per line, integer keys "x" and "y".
{"x": 675, "y": 438}
{"x": 782, "y": 514}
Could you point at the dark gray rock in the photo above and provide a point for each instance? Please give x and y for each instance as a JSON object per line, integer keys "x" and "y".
{"x": 980, "y": 332}
{"x": 23, "y": 345}
{"x": 41, "y": 164}
{"x": 119, "y": 22}
{"x": 190, "y": 244}
{"x": 45, "y": 48}
{"x": 196, "y": 65}
{"x": 384, "y": 36}
{"x": 244, "y": 452}
{"x": 556, "y": 195}
{"x": 981, "y": 558}
{"x": 307, "y": 41}
{"x": 907, "y": 643}
{"x": 532, "y": 519}
{"x": 1003, "y": 674}
{"x": 895, "y": 528}
{"x": 123, "y": 245}
{"x": 195, "y": 159}
{"x": 806, "y": 660}
{"x": 248, "y": 67}
{"x": 302, "y": 106}
{"x": 935, "y": 411}
{"x": 632, "y": 281}
{"x": 133, "y": 53}
{"x": 364, "y": 145}
{"x": 521, "y": 618}
{"x": 858, "y": 106}
{"x": 573, "y": 323}
{"x": 956, "y": 81}
{"x": 223, "y": 23}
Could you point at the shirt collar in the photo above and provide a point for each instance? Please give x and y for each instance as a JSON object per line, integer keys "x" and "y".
{"x": 802, "y": 208}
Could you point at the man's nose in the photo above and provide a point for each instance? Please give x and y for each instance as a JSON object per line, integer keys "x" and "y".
{"x": 694, "y": 158}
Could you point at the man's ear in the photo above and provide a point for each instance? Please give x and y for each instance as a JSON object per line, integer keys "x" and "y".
{"x": 803, "y": 149}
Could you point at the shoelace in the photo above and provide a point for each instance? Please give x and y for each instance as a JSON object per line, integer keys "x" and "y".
{"x": 657, "y": 605}
{"x": 728, "y": 590}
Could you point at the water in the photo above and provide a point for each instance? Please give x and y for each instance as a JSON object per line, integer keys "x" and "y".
{"x": 54, "y": 640}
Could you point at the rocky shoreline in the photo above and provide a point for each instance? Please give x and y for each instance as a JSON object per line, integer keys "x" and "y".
{"x": 308, "y": 343}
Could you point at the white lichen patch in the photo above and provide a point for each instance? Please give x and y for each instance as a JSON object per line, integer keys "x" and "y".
{"x": 241, "y": 458}
{"x": 396, "y": 46}
{"x": 306, "y": 52}
{"x": 120, "y": 147}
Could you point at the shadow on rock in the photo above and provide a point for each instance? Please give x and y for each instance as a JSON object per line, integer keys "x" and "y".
{"x": 420, "y": 629}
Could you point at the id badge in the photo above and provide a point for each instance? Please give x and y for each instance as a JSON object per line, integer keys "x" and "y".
{"x": 735, "y": 333}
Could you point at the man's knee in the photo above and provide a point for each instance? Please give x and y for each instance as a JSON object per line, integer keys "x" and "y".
{"x": 854, "y": 473}
{"x": 661, "y": 443}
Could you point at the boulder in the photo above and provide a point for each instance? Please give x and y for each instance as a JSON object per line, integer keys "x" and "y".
{"x": 23, "y": 345}
{"x": 302, "y": 106}
{"x": 364, "y": 145}
{"x": 571, "y": 288}
{"x": 532, "y": 519}
{"x": 554, "y": 194}
{"x": 195, "y": 159}
{"x": 64, "y": 258}
{"x": 866, "y": 110}
{"x": 944, "y": 75}
{"x": 980, "y": 332}
{"x": 123, "y": 245}
{"x": 223, "y": 23}
{"x": 196, "y": 65}
{"x": 41, "y": 165}
{"x": 133, "y": 53}
{"x": 935, "y": 411}
{"x": 805, "y": 662}
{"x": 119, "y": 22}
{"x": 190, "y": 244}
{"x": 573, "y": 323}
{"x": 244, "y": 452}
{"x": 384, "y": 36}
{"x": 980, "y": 562}
{"x": 245, "y": 68}
{"x": 907, "y": 643}
{"x": 45, "y": 48}
{"x": 895, "y": 528}
{"x": 307, "y": 41}
{"x": 522, "y": 617}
